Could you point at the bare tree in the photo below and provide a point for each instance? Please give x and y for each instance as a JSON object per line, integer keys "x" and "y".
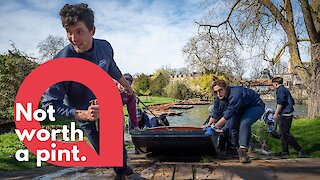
{"x": 238, "y": 66}
{"x": 278, "y": 68}
{"x": 266, "y": 20}
{"x": 256, "y": 68}
{"x": 210, "y": 52}
{"x": 49, "y": 47}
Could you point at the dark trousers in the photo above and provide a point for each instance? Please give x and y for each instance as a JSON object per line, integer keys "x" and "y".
{"x": 286, "y": 138}
{"x": 90, "y": 130}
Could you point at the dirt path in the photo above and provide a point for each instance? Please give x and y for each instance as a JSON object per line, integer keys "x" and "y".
{"x": 157, "y": 168}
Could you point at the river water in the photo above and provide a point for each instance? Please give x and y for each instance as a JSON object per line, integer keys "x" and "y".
{"x": 197, "y": 115}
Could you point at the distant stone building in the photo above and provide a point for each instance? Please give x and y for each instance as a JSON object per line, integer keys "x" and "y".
{"x": 186, "y": 79}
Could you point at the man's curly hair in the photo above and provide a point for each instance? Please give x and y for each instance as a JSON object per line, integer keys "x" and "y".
{"x": 71, "y": 14}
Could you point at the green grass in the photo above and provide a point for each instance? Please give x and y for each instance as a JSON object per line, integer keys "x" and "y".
{"x": 9, "y": 144}
{"x": 148, "y": 100}
{"x": 305, "y": 132}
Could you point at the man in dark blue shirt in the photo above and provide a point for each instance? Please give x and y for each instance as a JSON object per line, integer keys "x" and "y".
{"x": 78, "y": 20}
{"x": 244, "y": 107}
{"x": 284, "y": 115}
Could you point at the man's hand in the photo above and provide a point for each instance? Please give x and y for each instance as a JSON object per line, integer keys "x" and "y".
{"x": 137, "y": 129}
{"x": 93, "y": 112}
{"x": 204, "y": 126}
{"x": 276, "y": 117}
{"x": 128, "y": 90}
{"x": 220, "y": 123}
{"x": 126, "y": 87}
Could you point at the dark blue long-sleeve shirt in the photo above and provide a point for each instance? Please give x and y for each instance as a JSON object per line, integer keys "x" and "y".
{"x": 285, "y": 99}
{"x": 76, "y": 94}
{"x": 239, "y": 99}
{"x": 219, "y": 106}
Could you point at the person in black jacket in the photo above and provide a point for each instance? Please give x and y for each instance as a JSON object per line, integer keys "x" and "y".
{"x": 244, "y": 107}
{"x": 284, "y": 116}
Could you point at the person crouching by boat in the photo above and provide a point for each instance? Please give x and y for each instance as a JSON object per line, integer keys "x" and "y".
{"x": 143, "y": 120}
{"x": 158, "y": 121}
{"x": 244, "y": 107}
{"x": 163, "y": 121}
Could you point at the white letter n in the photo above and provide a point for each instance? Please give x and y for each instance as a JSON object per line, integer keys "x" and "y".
{"x": 20, "y": 109}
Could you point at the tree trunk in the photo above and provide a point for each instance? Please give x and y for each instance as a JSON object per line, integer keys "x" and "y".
{"x": 313, "y": 99}
{"x": 314, "y": 83}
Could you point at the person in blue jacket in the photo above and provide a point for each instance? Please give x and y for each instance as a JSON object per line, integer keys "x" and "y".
{"x": 284, "y": 116}
{"x": 142, "y": 119}
{"x": 244, "y": 107}
{"x": 78, "y": 20}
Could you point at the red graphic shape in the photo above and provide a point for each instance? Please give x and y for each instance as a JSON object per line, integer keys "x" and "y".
{"x": 111, "y": 118}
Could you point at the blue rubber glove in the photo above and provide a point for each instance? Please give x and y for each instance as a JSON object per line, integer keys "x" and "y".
{"x": 209, "y": 131}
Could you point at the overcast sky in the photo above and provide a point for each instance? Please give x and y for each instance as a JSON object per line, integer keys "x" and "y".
{"x": 146, "y": 35}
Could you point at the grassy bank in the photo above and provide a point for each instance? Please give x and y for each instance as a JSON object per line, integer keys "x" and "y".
{"x": 305, "y": 132}
{"x": 148, "y": 100}
{"x": 9, "y": 144}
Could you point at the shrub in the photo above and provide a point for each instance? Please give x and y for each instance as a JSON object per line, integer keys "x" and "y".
{"x": 14, "y": 67}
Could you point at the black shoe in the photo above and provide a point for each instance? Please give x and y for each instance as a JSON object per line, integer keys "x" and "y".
{"x": 127, "y": 172}
{"x": 283, "y": 153}
{"x": 221, "y": 147}
{"x": 302, "y": 153}
{"x": 232, "y": 152}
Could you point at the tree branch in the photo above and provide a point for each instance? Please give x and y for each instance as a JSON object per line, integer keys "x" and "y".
{"x": 226, "y": 21}
{"x": 312, "y": 32}
{"x": 277, "y": 14}
{"x": 281, "y": 51}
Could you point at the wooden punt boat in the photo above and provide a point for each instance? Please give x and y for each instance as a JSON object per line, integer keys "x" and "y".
{"x": 174, "y": 140}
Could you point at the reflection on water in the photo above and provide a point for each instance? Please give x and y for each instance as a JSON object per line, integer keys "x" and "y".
{"x": 299, "y": 109}
{"x": 197, "y": 115}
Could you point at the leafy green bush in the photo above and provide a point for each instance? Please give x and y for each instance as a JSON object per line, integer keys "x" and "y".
{"x": 141, "y": 84}
{"x": 14, "y": 67}
{"x": 178, "y": 90}
{"x": 159, "y": 82}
